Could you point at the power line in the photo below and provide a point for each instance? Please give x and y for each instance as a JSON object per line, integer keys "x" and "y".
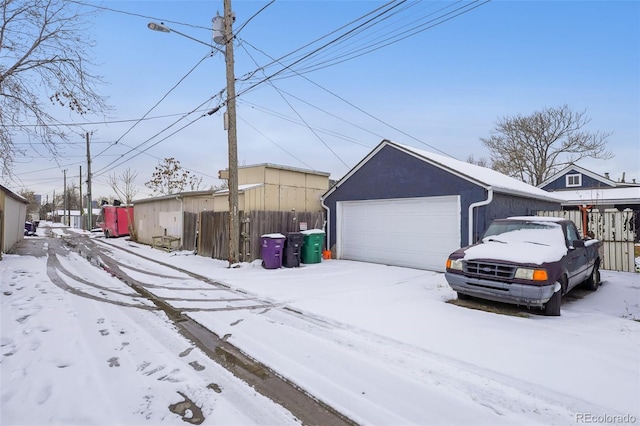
{"x": 253, "y": 16}
{"x": 155, "y": 105}
{"x": 303, "y": 120}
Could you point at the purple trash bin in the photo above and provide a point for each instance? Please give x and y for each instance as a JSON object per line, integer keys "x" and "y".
{"x": 272, "y": 247}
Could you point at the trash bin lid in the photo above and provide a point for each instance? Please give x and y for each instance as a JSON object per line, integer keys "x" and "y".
{"x": 275, "y": 236}
{"x": 313, "y": 231}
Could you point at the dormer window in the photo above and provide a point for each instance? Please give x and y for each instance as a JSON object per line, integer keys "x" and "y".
{"x": 574, "y": 180}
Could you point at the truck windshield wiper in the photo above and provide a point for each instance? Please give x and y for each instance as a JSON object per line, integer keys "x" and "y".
{"x": 535, "y": 242}
{"x": 497, "y": 241}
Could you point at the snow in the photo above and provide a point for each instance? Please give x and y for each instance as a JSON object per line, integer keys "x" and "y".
{"x": 484, "y": 175}
{"x": 312, "y": 231}
{"x": 522, "y": 246}
{"x": 378, "y": 343}
{"x": 600, "y": 195}
{"x": 276, "y": 235}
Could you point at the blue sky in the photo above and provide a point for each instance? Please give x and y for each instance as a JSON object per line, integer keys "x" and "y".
{"x": 440, "y": 89}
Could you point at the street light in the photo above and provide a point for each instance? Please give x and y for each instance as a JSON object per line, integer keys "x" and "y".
{"x": 226, "y": 38}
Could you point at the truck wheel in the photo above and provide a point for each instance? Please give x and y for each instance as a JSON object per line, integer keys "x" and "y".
{"x": 552, "y": 307}
{"x": 594, "y": 279}
{"x": 462, "y": 296}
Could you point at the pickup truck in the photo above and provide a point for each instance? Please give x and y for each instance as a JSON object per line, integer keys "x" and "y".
{"x": 529, "y": 261}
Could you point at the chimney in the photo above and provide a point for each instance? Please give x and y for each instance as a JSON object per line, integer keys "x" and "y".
{"x": 622, "y": 180}
{"x": 606, "y": 175}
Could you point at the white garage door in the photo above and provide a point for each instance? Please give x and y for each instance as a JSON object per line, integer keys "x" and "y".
{"x": 413, "y": 232}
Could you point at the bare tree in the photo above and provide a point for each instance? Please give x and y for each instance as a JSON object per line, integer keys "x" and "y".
{"x": 170, "y": 178}
{"x": 482, "y": 162}
{"x": 532, "y": 148}
{"x": 44, "y": 59}
{"x": 32, "y": 207}
{"x": 124, "y": 186}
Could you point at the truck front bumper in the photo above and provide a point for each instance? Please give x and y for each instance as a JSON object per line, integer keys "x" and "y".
{"x": 517, "y": 294}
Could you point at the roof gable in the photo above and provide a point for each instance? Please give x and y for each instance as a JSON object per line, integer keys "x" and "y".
{"x": 575, "y": 169}
{"x": 481, "y": 176}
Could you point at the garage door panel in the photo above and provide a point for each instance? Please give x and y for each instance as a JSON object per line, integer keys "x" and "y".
{"x": 416, "y": 232}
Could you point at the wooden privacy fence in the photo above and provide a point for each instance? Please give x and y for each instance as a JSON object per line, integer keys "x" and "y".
{"x": 616, "y": 229}
{"x": 213, "y": 230}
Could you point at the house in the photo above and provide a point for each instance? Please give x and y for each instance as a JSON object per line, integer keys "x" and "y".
{"x": 13, "y": 214}
{"x": 261, "y": 187}
{"x": 582, "y": 188}
{"x": 408, "y": 207}
{"x": 73, "y": 218}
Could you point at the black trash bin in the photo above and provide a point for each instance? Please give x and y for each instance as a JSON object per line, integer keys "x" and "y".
{"x": 292, "y": 249}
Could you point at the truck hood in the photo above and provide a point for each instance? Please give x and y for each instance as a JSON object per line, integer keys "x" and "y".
{"x": 515, "y": 251}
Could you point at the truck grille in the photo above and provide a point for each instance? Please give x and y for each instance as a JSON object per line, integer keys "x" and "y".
{"x": 490, "y": 270}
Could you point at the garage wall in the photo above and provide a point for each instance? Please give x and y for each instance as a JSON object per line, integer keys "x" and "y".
{"x": 13, "y": 213}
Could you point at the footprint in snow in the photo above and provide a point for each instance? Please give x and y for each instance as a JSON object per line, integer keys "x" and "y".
{"x": 185, "y": 352}
{"x": 43, "y": 394}
{"x": 196, "y": 365}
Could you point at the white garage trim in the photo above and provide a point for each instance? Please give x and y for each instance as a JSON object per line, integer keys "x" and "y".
{"x": 412, "y": 232}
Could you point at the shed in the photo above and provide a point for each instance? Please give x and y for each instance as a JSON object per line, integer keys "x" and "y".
{"x": 13, "y": 214}
{"x": 261, "y": 187}
{"x": 409, "y": 207}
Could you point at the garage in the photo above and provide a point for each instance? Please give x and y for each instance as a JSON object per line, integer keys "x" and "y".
{"x": 404, "y": 206}
{"x": 413, "y": 232}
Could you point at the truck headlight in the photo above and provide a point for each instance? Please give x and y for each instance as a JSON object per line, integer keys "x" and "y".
{"x": 531, "y": 274}
{"x": 455, "y": 264}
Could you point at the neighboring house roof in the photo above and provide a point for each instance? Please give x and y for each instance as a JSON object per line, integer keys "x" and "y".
{"x": 600, "y": 196}
{"x": 13, "y": 195}
{"x": 482, "y": 176}
{"x": 280, "y": 167}
{"x": 574, "y": 167}
{"x": 241, "y": 188}
{"x": 178, "y": 195}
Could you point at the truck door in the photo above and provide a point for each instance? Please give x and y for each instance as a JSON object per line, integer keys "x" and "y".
{"x": 577, "y": 256}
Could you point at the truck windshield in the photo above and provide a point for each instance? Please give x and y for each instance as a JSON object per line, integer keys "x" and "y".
{"x": 497, "y": 228}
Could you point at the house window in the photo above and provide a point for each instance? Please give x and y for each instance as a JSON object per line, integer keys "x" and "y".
{"x": 574, "y": 180}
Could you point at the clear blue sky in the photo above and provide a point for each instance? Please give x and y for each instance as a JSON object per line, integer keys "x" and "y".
{"x": 440, "y": 89}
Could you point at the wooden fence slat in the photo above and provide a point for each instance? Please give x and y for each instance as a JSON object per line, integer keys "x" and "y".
{"x": 616, "y": 229}
{"x": 213, "y": 238}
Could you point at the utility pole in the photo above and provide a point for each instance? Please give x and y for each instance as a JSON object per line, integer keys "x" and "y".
{"x": 234, "y": 225}
{"x": 89, "y": 202}
{"x": 81, "y": 208}
{"x": 65, "y": 220}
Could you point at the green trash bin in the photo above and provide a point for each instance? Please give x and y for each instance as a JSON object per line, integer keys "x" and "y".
{"x": 312, "y": 247}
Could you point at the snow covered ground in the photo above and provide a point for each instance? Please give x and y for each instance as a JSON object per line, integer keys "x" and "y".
{"x": 380, "y": 344}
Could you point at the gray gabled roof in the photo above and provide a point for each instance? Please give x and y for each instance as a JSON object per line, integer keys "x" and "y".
{"x": 482, "y": 176}
{"x": 579, "y": 169}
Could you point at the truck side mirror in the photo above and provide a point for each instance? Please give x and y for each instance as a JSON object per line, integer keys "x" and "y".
{"x": 577, "y": 244}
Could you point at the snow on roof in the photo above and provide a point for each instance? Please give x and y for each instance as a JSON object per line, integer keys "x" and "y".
{"x": 241, "y": 187}
{"x": 594, "y": 196}
{"x": 578, "y": 169}
{"x": 482, "y": 175}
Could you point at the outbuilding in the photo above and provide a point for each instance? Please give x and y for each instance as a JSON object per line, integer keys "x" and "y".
{"x": 408, "y": 207}
{"x": 13, "y": 213}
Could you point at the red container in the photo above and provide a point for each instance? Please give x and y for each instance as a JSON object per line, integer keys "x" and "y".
{"x": 115, "y": 220}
